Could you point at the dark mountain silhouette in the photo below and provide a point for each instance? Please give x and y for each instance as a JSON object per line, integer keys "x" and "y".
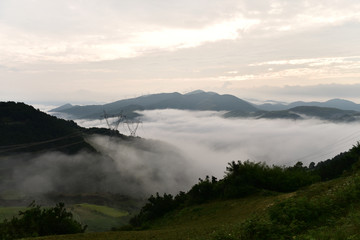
{"x": 333, "y": 103}
{"x": 63, "y": 107}
{"x": 336, "y": 110}
{"x": 197, "y": 100}
{"x": 25, "y": 129}
{"x": 302, "y": 112}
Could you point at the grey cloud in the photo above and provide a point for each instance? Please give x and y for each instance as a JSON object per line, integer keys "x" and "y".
{"x": 137, "y": 168}
{"x": 77, "y": 16}
{"x": 211, "y": 141}
{"x": 188, "y": 145}
{"x": 314, "y": 92}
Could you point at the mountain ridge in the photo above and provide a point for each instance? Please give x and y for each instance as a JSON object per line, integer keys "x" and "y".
{"x": 336, "y": 110}
{"x": 332, "y": 103}
{"x": 197, "y": 100}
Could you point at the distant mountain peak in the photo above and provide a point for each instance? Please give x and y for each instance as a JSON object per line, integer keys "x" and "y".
{"x": 200, "y": 92}
{"x": 195, "y": 100}
{"x": 339, "y": 100}
{"x": 195, "y": 92}
{"x": 63, "y": 107}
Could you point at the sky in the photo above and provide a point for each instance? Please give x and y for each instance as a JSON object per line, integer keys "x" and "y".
{"x": 98, "y": 51}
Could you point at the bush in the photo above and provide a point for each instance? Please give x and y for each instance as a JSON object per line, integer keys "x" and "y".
{"x": 37, "y": 221}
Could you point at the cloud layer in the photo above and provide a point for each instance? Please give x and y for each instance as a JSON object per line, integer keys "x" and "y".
{"x": 179, "y": 147}
{"x": 137, "y": 168}
{"x": 210, "y": 141}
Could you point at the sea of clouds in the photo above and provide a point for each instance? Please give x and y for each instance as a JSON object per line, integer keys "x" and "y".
{"x": 208, "y": 141}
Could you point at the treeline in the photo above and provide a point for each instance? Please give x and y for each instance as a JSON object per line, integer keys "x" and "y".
{"x": 246, "y": 178}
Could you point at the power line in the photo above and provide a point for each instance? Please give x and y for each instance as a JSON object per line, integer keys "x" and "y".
{"x": 324, "y": 150}
{"x": 7, "y": 148}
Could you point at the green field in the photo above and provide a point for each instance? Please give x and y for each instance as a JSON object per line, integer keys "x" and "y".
{"x": 9, "y": 212}
{"x": 99, "y": 218}
{"x": 106, "y": 211}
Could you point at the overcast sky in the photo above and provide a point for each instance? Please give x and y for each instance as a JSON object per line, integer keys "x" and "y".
{"x": 106, "y": 50}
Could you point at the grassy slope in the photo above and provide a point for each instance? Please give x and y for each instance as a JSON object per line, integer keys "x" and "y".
{"x": 99, "y": 218}
{"x": 9, "y": 212}
{"x": 221, "y": 219}
{"x": 196, "y": 222}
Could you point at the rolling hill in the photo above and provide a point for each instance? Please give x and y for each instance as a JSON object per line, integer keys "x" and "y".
{"x": 198, "y": 100}
{"x": 335, "y": 110}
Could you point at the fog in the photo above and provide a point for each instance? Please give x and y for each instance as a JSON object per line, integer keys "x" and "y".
{"x": 173, "y": 150}
{"x": 209, "y": 141}
{"x": 135, "y": 168}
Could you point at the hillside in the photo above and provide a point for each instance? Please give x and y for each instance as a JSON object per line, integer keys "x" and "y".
{"x": 49, "y": 160}
{"x": 198, "y": 100}
{"x": 25, "y": 129}
{"x": 323, "y": 210}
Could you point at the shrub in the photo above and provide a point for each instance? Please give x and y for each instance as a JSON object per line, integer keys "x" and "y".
{"x": 37, "y": 221}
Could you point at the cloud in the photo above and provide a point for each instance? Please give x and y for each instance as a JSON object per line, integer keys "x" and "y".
{"x": 210, "y": 141}
{"x": 319, "y": 92}
{"x": 179, "y": 147}
{"x": 134, "y": 168}
{"x": 143, "y": 47}
{"x": 71, "y": 31}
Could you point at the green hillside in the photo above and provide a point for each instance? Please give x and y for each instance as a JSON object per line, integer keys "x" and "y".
{"x": 250, "y": 218}
{"x": 327, "y": 207}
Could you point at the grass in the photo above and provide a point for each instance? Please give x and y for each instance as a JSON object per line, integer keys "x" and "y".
{"x": 99, "y": 218}
{"x": 9, "y": 212}
{"x": 107, "y": 211}
{"x": 221, "y": 220}
{"x": 201, "y": 222}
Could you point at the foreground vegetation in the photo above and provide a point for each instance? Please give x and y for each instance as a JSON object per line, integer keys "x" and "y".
{"x": 243, "y": 179}
{"x": 98, "y": 218}
{"x": 318, "y": 209}
{"x": 326, "y": 210}
{"x": 37, "y": 221}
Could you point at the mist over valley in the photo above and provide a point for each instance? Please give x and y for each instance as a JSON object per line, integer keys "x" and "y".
{"x": 210, "y": 141}
{"x": 173, "y": 120}
{"x": 119, "y": 161}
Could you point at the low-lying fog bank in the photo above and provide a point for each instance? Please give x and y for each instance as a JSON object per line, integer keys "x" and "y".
{"x": 210, "y": 141}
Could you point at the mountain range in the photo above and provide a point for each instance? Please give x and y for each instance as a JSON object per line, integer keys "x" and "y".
{"x": 301, "y": 112}
{"x": 333, "y": 103}
{"x": 197, "y": 100}
{"x": 332, "y": 110}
